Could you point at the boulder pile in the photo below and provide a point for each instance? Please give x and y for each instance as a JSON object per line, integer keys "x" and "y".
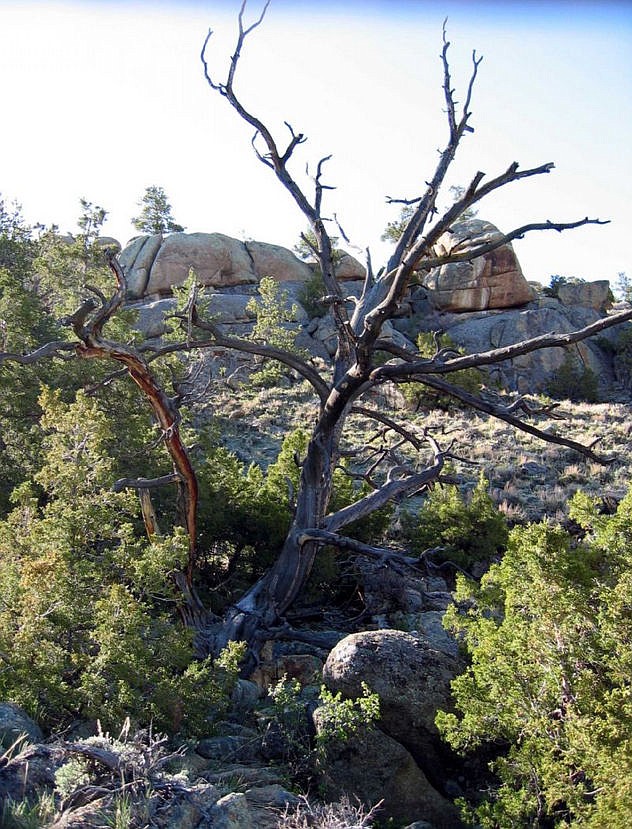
{"x": 482, "y": 304}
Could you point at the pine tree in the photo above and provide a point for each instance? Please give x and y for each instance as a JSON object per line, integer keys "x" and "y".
{"x": 155, "y": 216}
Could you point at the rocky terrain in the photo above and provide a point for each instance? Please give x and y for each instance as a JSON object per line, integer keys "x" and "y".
{"x": 254, "y": 766}
{"x": 480, "y": 305}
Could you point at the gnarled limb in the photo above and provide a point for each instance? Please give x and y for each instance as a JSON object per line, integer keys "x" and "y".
{"x": 390, "y": 491}
{"x": 277, "y": 159}
{"x": 59, "y": 348}
{"x": 416, "y": 369}
{"x": 88, "y": 322}
{"x": 505, "y": 414}
{"x": 343, "y": 542}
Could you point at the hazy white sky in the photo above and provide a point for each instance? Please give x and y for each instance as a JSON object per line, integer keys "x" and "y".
{"x": 101, "y": 99}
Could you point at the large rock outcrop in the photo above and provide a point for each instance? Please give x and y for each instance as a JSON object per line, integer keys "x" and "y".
{"x": 494, "y": 280}
{"x": 155, "y": 264}
{"x": 481, "y": 305}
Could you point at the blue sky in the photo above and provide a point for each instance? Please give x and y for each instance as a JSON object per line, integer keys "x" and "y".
{"x": 102, "y": 99}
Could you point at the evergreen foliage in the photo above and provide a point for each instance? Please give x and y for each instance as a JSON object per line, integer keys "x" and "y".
{"x": 461, "y": 529}
{"x": 624, "y": 287}
{"x": 155, "y": 216}
{"x": 574, "y": 381}
{"x": 549, "y": 633}
{"x": 83, "y": 625}
{"x": 273, "y": 313}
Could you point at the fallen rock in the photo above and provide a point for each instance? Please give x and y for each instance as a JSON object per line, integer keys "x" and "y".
{"x": 240, "y": 748}
{"x": 30, "y": 772}
{"x": 291, "y": 660}
{"x": 267, "y": 803}
{"x": 494, "y": 280}
{"x": 232, "y": 812}
{"x": 94, "y": 815}
{"x": 186, "y": 808}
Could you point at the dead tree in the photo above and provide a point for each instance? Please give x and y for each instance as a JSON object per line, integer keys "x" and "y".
{"x": 356, "y": 370}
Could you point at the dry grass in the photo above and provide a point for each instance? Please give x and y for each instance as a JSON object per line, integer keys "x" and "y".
{"x": 253, "y": 424}
{"x": 340, "y": 815}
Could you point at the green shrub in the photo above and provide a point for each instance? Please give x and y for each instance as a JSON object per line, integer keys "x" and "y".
{"x": 273, "y": 311}
{"x": 549, "y": 632}
{"x": 339, "y": 720}
{"x": 574, "y": 381}
{"x": 84, "y": 629}
{"x": 310, "y": 295}
{"x": 465, "y": 529}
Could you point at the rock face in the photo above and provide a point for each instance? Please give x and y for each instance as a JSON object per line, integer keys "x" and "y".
{"x": 529, "y": 372}
{"x": 481, "y": 305}
{"x": 412, "y": 680}
{"x": 372, "y": 766}
{"x": 595, "y": 295}
{"x": 14, "y": 722}
{"x": 155, "y": 264}
{"x": 217, "y": 260}
{"x": 24, "y": 776}
{"x": 494, "y": 280}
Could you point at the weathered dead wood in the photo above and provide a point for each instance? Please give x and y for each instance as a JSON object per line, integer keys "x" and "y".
{"x": 87, "y": 323}
{"x": 359, "y": 337}
{"x": 59, "y": 348}
{"x": 343, "y": 542}
{"x": 501, "y": 413}
{"x": 145, "y": 483}
{"x": 417, "y": 369}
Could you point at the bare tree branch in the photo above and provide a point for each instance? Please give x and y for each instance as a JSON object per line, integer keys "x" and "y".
{"x": 53, "y": 349}
{"x": 278, "y": 160}
{"x": 343, "y": 542}
{"x": 501, "y": 413}
{"x": 391, "y": 424}
{"x": 503, "y": 239}
{"x": 144, "y": 483}
{"x": 390, "y": 491}
{"x": 417, "y": 369}
{"x": 427, "y": 204}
